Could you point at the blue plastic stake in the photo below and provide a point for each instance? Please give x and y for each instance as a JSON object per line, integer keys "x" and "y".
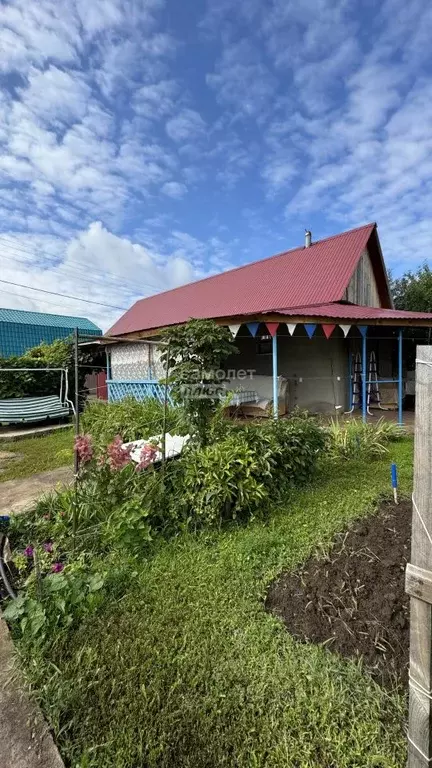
{"x": 394, "y": 479}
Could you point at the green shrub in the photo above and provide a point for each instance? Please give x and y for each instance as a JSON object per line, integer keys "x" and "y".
{"x": 131, "y": 419}
{"x": 351, "y": 439}
{"x": 59, "y": 354}
{"x": 247, "y": 470}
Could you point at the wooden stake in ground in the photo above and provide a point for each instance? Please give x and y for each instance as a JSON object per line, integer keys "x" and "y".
{"x": 419, "y": 573}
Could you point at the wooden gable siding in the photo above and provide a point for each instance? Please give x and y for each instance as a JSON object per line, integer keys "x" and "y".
{"x": 362, "y": 288}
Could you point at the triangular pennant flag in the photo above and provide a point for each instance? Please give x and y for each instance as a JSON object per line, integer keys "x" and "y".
{"x": 310, "y": 329}
{"x": 362, "y": 329}
{"x": 345, "y": 329}
{"x": 272, "y": 328}
{"x": 328, "y": 330}
{"x": 253, "y": 327}
{"x": 291, "y": 328}
{"x": 234, "y": 329}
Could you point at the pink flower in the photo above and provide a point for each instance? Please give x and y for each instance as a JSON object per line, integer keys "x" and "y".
{"x": 48, "y": 547}
{"x": 84, "y": 448}
{"x": 147, "y": 456}
{"x": 29, "y": 551}
{"x": 57, "y": 567}
{"x": 118, "y": 456}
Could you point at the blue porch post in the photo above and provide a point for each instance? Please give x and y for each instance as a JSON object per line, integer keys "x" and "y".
{"x": 364, "y": 377}
{"x": 275, "y": 377}
{"x": 400, "y": 379}
{"x": 350, "y": 379}
{"x": 108, "y": 374}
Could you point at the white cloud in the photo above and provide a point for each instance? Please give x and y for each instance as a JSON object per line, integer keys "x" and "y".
{"x": 241, "y": 80}
{"x": 187, "y": 125}
{"x": 56, "y": 95}
{"x": 174, "y": 189}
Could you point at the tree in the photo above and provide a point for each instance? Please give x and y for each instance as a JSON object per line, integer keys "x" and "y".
{"x": 194, "y": 354}
{"x": 413, "y": 291}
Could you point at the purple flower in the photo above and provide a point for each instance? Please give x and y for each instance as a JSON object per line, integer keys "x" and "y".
{"x": 57, "y": 567}
{"x": 48, "y": 547}
{"x": 29, "y": 551}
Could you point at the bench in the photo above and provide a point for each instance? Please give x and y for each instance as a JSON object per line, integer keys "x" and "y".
{"x": 24, "y": 409}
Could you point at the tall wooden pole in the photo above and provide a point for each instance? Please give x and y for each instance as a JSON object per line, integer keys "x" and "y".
{"x": 419, "y": 573}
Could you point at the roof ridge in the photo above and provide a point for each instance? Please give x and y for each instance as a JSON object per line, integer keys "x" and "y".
{"x": 257, "y": 261}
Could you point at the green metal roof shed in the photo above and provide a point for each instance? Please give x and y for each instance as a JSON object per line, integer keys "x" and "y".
{"x": 21, "y": 330}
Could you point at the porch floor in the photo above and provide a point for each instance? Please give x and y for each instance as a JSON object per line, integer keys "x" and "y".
{"x": 392, "y": 416}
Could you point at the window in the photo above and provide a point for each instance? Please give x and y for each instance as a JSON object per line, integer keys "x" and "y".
{"x": 264, "y": 345}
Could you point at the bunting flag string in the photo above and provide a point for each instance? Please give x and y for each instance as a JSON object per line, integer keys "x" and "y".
{"x": 310, "y": 329}
{"x": 328, "y": 329}
{"x": 253, "y": 328}
{"x": 291, "y": 327}
{"x": 272, "y": 328}
{"x": 234, "y": 329}
{"x": 345, "y": 329}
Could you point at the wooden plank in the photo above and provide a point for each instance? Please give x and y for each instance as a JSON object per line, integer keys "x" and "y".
{"x": 418, "y": 583}
{"x": 420, "y": 705}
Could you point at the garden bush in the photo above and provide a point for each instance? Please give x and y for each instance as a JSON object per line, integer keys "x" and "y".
{"x": 352, "y": 439}
{"x": 245, "y": 472}
{"x": 58, "y": 354}
{"x": 131, "y": 419}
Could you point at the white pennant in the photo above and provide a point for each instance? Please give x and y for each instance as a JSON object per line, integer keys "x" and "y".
{"x": 234, "y": 329}
{"x": 291, "y": 328}
{"x": 345, "y": 329}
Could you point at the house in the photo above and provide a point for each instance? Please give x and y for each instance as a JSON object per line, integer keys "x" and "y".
{"x": 315, "y": 325}
{"x": 21, "y": 330}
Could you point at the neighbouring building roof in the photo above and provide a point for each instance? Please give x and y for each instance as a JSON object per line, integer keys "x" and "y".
{"x": 21, "y": 330}
{"x": 307, "y": 281}
{"x": 46, "y": 319}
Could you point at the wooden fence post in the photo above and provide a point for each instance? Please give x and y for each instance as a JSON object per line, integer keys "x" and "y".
{"x": 419, "y": 572}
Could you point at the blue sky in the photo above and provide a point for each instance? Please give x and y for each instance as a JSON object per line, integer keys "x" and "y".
{"x": 147, "y": 143}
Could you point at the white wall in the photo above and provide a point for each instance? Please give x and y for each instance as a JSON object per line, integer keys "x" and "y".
{"x": 132, "y": 362}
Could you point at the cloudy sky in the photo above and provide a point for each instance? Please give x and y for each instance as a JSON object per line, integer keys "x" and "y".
{"x": 145, "y": 143}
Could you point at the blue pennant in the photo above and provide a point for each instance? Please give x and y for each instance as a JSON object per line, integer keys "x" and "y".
{"x": 310, "y": 329}
{"x": 363, "y": 329}
{"x": 253, "y": 327}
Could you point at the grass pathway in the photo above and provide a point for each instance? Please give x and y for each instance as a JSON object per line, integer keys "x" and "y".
{"x": 188, "y": 671}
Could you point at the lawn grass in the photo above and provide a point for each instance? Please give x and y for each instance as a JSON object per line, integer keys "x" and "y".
{"x": 38, "y": 454}
{"x": 188, "y": 671}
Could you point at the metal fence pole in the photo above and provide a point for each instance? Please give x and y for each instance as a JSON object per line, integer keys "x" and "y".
{"x": 77, "y": 423}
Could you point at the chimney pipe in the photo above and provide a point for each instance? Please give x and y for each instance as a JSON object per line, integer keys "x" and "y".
{"x": 308, "y": 238}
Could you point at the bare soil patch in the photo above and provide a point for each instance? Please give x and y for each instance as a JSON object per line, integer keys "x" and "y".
{"x": 352, "y": 598}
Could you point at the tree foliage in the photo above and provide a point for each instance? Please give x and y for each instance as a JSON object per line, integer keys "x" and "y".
{"x": 413, "y": 291}
{"x": 58, "y": 354}
{"x": 194, "y": 354}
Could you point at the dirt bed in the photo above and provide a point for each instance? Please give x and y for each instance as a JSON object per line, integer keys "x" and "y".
{"x": 352, "y": 598}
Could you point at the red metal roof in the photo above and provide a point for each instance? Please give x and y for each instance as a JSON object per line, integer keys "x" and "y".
{"x": 303, "y": 276}
{"x": 354, "y": 312}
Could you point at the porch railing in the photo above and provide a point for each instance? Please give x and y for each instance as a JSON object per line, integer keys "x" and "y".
{"x": 140, "y": 390}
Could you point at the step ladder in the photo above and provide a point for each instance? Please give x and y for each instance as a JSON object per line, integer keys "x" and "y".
{"x": 356, "y": 377}
{"x": 373, "y": 391}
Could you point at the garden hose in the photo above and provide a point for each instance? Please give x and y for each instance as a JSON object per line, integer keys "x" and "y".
{"x": 4, "y": 569}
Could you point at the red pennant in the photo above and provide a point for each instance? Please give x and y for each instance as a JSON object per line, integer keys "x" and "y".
{"x": 328, "y": 330}
{"x": 272, "y": 328}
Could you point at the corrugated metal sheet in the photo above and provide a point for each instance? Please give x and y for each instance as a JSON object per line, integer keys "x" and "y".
{"x": 46, "y": 319}
{"x": 21, "y": 330}
{"x": 354, "y": 312}
{"x": 303, "y": 276}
